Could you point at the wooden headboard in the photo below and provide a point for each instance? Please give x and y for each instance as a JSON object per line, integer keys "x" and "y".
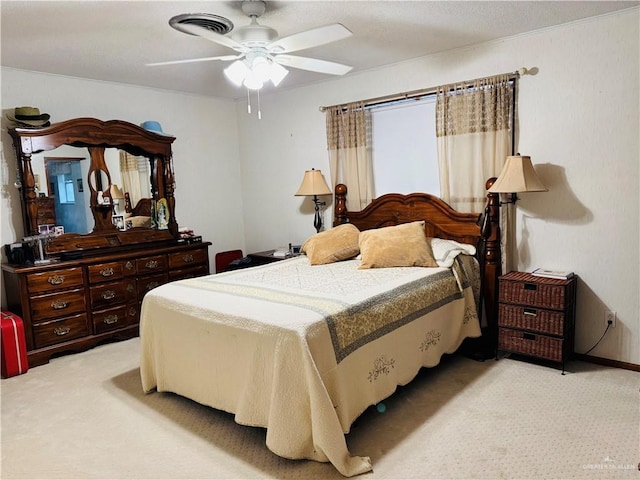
{"x": 482, "y": 231}
{"x": 142, "y": 208}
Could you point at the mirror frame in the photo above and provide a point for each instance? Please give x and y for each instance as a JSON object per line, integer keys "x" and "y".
{"x": 97, "y": 135}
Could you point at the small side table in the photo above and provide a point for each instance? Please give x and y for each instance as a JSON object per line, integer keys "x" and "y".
{"x": 536, "y": 316}
{"x": 262, "y": 258}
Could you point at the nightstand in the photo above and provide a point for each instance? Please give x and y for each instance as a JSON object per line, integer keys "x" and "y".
{"x": 536, "y": 316}
{"x": 261, "y": 258}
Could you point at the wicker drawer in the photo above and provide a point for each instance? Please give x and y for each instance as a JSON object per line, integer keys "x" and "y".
{"x": 187, "y": 259}
{"x": 55, "y": 280}
{"x": 61, "y": 330}
{"x": 526, "y": 343}
{"x": 54, "y": 305}
{"x": 537, "y": 320}
{"x": 110, "y": 319}
{"x": 105, "y": 272}
{"x": 525, "y": 289}
{"x": 151, "y": 264}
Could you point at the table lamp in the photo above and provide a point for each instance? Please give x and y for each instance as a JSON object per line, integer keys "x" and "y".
{"x": 313, "y": 184}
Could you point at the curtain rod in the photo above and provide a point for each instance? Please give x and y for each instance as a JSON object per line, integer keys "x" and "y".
{"x": 423, "y": 91}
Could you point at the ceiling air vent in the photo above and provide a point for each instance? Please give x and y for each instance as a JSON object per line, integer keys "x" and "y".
{"x": 215, "y": 23}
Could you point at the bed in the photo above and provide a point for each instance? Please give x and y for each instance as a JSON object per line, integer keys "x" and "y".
{"x": 303, "y": 346}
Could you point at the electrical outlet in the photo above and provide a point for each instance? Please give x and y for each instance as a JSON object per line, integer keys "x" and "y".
{"x": 609, "y": 318}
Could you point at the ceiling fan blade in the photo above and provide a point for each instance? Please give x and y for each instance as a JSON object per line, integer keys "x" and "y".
{"x": 312, "y": 64}
{"x": 194, "y": 60}
{"x": 213, "y": 36}
{"x": 310, "y": 38}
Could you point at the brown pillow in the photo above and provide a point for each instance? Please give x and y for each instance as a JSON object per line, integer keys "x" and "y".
{"x": 402, "y": 245}
{"x": 339, "y": 243}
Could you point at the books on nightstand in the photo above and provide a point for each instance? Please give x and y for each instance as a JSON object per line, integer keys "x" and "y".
{"x": 545, "y": 272}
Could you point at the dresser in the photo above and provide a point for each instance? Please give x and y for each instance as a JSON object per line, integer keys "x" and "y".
{"x": 73, "y": 305}
{"x": 536, "y": 316}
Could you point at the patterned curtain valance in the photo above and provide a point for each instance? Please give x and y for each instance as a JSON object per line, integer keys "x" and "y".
{"x": 346, "y": 126}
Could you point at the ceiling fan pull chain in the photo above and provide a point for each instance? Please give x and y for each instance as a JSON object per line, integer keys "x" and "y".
{"x": 259, "y": 112}
{"x": 248, "y": 102}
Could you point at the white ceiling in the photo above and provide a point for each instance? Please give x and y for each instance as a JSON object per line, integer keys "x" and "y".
{"x": 113, "y": 40}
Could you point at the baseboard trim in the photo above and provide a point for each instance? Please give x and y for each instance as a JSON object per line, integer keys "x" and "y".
{"x": 607, "y": 362}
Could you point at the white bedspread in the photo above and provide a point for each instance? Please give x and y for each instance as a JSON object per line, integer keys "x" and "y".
{"x": 303, "y": 350}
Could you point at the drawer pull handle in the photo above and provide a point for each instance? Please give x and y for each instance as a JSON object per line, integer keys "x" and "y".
{"x": 152, "y": 285}
{"x": 108, "y": 295}
{"x": 187, "y": 258}
{"x": 60, "y": 331}
{"x": 107, "y": 272}
{"x": 151, "y": 264}
{"x": 531, "y": 312}
{"x": 131, "y": 288}
{"x": 528, "y": 336}
{"x": 133, "y": 311}
{"x": 56, "y": 279}
{"x": 530, "y": 286}
{"x": 128, "y": 266}
{"x": 59, "y": 304}
{"x": 110, "y": 319}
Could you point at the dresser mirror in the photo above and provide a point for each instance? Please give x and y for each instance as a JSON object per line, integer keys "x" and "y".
{"x": 75, "y": 175}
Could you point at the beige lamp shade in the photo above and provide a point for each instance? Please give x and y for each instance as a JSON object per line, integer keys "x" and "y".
{"x": 518, "y": 175}
{"x": 313, "y": 183}
{"x": 116, "y": 192}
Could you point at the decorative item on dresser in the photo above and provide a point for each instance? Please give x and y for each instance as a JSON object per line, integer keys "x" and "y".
{"x": 87, "y": 288}
{"x": 536, "y": 316}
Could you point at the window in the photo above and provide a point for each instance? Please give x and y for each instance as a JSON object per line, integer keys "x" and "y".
{"x": 404, "y": 150}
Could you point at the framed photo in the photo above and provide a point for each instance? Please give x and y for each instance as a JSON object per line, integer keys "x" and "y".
{"x": 46, "y": 229}
{"x": 118, "y": 221}
{"x": 58, "y": 230}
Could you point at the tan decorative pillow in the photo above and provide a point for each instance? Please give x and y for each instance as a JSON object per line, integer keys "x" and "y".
{"x": 339, "y": 243}
{"x": 402, "y": 245}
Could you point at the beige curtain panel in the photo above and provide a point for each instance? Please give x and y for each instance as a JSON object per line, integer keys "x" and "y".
{"x": 474, "y": 123}
{"x": 130, "y": 176}
{"x": 349, "y": 149}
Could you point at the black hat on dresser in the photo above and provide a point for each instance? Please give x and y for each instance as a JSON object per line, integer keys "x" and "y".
{"x": 29, "y": 117}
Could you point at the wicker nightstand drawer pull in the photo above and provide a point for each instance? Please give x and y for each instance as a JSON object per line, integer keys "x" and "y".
{"x": 530, "y": 311}
{"x": 528, "y": 336}
{"x": 530, "y": 286}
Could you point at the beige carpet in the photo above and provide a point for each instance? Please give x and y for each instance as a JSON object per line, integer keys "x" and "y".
{"x": 84, "y": 416}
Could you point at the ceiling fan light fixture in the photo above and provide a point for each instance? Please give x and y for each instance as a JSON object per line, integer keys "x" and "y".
{"x": 253, "y": 82}
{"x": 237, "y": 72}
{"x": 277, "y": 73}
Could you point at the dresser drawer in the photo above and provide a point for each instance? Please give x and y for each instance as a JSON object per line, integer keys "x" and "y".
{"x": 110, "y": 319}
{"x": 534, "y": 319}
{"x": 61, "y": 330}
{"x": 146, "y": 265}
{"x": 55, "y": 280}
{"x": 105, "y": 272}
{"x": 108, "y": 294}
{"x": 150, "y": 282}
{"x": 54, "y": 305}
{"x": 188, "y": 273}
{"x": 525, "y": 289}
{"x": 535, "y": 345}
{"x": 187, "y": 259}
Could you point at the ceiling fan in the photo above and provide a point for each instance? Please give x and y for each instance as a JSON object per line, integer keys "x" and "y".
{"x": 261, "y": 55}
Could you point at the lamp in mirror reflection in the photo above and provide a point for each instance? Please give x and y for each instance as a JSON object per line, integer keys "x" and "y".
{"x": 116, "y": 196}
{"x": 517, "y": 176}
{"x": 314, "y": 184}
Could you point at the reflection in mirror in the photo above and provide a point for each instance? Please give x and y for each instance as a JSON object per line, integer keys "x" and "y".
{"x": 99, "y": 182}
{"x": 130, "y": 175}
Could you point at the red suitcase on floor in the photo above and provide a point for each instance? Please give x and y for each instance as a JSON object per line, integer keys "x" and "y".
{"x": 14, "y": 347}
